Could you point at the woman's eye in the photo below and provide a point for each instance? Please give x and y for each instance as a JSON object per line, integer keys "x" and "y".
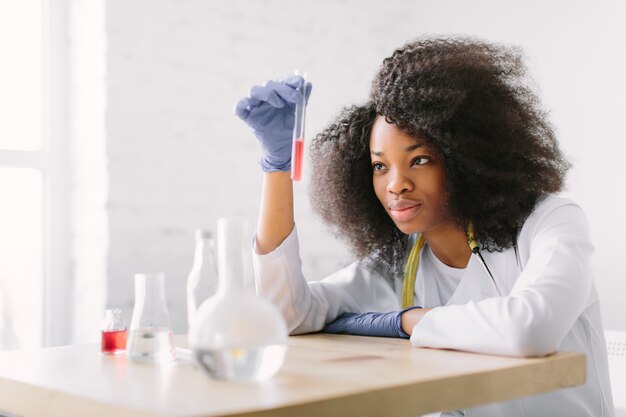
{"x": 420, "y": 160}
{"x": 377, "y": 166}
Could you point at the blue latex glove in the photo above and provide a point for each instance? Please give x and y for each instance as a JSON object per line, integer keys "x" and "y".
{"x": 269, "y": 111}
{"x": 370, "y": 324}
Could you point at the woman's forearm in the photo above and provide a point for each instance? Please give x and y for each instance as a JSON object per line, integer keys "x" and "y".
{"x": 276, "y": 213}
{"x": 410, "y": 318}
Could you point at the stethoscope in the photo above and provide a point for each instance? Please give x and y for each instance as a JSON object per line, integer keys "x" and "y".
{"x": 413, "y": 262}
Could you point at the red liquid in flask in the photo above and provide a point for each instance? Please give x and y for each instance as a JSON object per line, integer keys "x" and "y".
{"x": 113, "y": 341}
{"x": 296, "y": 159}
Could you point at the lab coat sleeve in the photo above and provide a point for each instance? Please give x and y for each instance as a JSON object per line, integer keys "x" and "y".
{"x": 547, "y": 298}
{"x": 309, "y": 306}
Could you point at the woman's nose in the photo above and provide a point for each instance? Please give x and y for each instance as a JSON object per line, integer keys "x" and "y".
{"x": 399, "y": 183}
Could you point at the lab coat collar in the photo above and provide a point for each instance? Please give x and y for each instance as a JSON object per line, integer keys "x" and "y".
{"x": 475, "y": 283}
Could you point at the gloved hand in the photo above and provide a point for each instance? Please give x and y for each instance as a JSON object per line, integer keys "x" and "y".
{"x": 269, "y": 111}
{"x": 370, "y": 324}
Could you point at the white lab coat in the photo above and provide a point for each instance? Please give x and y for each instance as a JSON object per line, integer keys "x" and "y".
{"x": 549, "y": 303}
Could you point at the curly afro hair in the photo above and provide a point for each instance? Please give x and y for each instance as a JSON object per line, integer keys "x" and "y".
{"x": 470, "y": 102}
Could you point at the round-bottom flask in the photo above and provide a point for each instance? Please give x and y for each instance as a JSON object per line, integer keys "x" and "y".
{"x": 237, "y": 335}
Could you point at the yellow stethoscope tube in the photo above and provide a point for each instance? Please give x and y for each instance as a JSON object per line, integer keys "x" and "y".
{"x": 408, "y": 286}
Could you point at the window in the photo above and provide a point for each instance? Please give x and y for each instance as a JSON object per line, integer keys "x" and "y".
{"x": 31, "y": 196}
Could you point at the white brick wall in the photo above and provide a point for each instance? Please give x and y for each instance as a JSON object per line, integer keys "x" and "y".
{"x": 178, "y": 158}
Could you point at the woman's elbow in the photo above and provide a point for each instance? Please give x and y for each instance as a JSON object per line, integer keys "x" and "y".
{"x": 532, "y": 348}
{"x": 534, "y": 340}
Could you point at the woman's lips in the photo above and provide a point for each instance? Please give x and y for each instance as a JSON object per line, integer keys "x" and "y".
{"x": 404, "y": 212}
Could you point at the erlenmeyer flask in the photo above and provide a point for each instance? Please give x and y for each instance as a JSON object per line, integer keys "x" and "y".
{"x": 237, "y": 335}
{"x": 150, "y": 338}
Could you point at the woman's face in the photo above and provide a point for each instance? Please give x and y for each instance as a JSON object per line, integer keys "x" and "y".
{"x": 409, "y": 179}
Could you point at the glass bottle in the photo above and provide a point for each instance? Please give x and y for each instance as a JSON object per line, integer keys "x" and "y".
{"x": 237, "y": 335}
{"x": 113, "y": 332}
{"x": 150, "y": 339}
{"x": 202, "y": 280}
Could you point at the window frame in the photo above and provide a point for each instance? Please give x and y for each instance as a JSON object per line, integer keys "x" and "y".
{"x": 52, "y": 162}
{"x": 58, "y": 288}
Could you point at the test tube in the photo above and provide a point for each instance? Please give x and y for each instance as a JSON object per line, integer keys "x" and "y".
{"x": 297, "y": 149}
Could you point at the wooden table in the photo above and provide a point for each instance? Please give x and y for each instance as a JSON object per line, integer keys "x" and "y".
{"x": 324, "y": 375}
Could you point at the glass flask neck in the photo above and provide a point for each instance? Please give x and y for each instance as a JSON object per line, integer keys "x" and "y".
{"x": 202, "y": 280}
{"x": 149, "y": 287}
{"x": 233, "y": 255}
{"x": 150, "y": 307}
{"x": 205, "y": 248}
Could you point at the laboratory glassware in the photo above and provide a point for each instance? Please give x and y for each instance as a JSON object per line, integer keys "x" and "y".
{"x": 237, "y": 335}
{"x": 202, "y": 280}
{"x": 113, "y": 332}
{"x": 297, "y": 149}
{"x": 150, "y": 338}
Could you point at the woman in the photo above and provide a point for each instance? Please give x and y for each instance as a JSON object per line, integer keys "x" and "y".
{"x": 443, "y": 185}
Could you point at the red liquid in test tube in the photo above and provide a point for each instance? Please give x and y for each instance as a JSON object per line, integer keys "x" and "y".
{"x": 296, "y": 159}
{"x": 113, "y": 341}
{"x": 297, "y": 149}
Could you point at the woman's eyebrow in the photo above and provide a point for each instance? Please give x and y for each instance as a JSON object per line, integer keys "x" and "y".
{"x": 413, "y": 147}
{"x": 408, "y": 149}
